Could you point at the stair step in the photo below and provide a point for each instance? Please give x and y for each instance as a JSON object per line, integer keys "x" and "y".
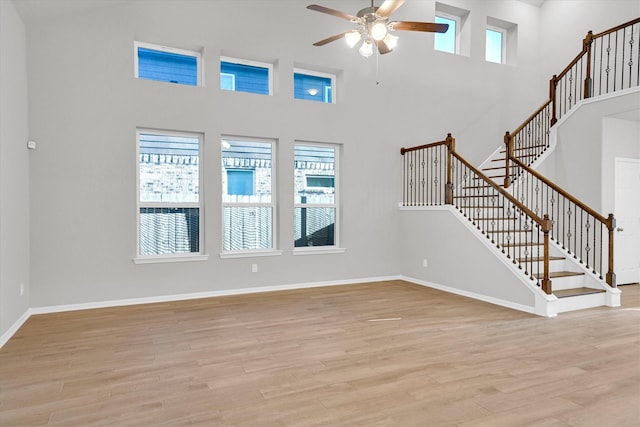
{"x": 525, "y": 148}
{"x": 491, "y": 169}
{"x": 564, "y": 293}
{"x": 468, "y": 196}
{"x": 519, "y": 244}
{"x": 540, "y": 259}
{"x": 558, "y": 274}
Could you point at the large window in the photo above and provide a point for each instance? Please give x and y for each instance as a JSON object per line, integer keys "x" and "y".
{"x": 248, "y": 202}
{"x": 169, "y": 203}
{"x": 242, "y": 75}
{"x": 166, "y": 64}
{"x": 313, "y": 85}
{"x": 316, "y": 195}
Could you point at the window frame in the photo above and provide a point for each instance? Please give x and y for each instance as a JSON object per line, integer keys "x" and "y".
{"x": 336, "y": 247}
{"x": 245, "y": 253}
{"x": 251, "y": 63}
{"x": 175, "y": 257}
{"x": 315, "y": 73}
{"x": 458, "y": 22}
{"x": 503, "y": 43}
{"x": 168, "y": 49}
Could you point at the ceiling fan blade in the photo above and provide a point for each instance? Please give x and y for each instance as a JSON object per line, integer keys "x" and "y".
{"x": 429, "y": 27}
{"x": 330, "y": 39}
{"x": 388, "y": 7}
{"x": 333, "y": 12}
{"x": 382, "y": 47}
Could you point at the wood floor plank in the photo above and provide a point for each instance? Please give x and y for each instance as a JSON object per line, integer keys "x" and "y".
{"x": 374, "y": 354}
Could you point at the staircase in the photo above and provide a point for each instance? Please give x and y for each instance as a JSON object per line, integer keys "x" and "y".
{"x": 557, "y": 242}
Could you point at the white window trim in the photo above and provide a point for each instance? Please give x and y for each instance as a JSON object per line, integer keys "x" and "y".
{"x": 315, "y": 73}
{"x": 455, "y": 18}
{"x": 503, "y": 48}
{"x": 273, "y": 205}
{"x": 251, "y": 63}
{"x": 160, "y": 48}
{"x": 335, "y": 248}
{"x": 178, "y": 257}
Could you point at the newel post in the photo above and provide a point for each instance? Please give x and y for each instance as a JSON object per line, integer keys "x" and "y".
{"x": 553, "y": 84}
{"x": 508, "y": 142}
{"x": 451, "y": 148}
{"x": 546, "y": 281}
{"x": 611, "y": 275}
{"x": 588, "y": 40}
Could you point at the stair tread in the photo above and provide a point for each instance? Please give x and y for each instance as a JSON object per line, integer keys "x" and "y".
{"x": 540, "y": 259}
{"x": 490, "y": 169}
{"x": 557, "y": 274}
{"x": 576, "y": 292}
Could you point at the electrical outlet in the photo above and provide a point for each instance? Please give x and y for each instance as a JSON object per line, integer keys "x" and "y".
{"x": 21, "y": 289}
{"x": 424, "y": 263}
{"x": 254, "y": 268}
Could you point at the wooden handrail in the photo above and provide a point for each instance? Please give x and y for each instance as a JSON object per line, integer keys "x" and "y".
{"x": 531, "y": 117}
{"x": 502, "y": 191}
{"x": 619, "y": 27}
{"x": 561, "y": 191}
{"x": 404, "y": 150}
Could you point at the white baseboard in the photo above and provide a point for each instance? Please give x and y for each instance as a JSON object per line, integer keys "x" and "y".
{"x": 485, "y": 298}
{"x": 179, "y": 297}
{"x": 14, "y": 328}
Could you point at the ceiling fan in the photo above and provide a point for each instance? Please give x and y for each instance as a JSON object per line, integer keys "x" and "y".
{"x": 374, "y": 26}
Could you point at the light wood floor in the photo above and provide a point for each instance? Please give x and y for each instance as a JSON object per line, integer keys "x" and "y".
{"x": 378, "y": 354}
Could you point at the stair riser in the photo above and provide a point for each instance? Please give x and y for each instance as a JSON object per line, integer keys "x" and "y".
{"x": 581, "y": 302}
{"x": 571, "y": 282}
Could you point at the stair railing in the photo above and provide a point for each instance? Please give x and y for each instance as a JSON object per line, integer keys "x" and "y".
{"x": 577, "y": 228}
{"x": 435, "y": 174}
{"x": 608, "y": 62}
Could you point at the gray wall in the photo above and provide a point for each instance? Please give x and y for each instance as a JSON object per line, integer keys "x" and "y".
{"x": 455, "y": 258}
{"x": 84, "y": 106}
{"x": 14, "y": 169}
{"x": 587, "y": 145}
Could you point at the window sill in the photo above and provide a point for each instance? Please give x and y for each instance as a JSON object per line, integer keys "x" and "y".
{"x": 157, "y": 259}
{"x": 250, "y": 254}
{"x": 318, "y": 250}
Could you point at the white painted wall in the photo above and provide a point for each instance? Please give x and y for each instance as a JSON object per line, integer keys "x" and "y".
{"x": 565, "y": 23}
{"x": 14, "y": 168}
{"x": 588, "y": 141}
{"x": 456, "y": 258}
{"x": 86, "y": 105}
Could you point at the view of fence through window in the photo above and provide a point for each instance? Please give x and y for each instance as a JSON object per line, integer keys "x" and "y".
{"x": 315, "y": 195}
{"x": 247, "y": 194}
{"x": 168, "y": 193}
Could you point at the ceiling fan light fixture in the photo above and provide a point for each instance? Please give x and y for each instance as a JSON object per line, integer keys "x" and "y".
{"x": 391, "y": 41}
{"x": 366, "y": 49}
{"x": 352, "y": 37}
{"x": 378, "y": 31}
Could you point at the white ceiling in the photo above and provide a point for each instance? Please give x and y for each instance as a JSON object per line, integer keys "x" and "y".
{"x": 37, "y": 10}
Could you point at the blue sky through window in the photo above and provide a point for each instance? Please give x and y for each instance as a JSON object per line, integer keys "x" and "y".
{"x": 446, "y": 42}
{"x": 494, "y": 46}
